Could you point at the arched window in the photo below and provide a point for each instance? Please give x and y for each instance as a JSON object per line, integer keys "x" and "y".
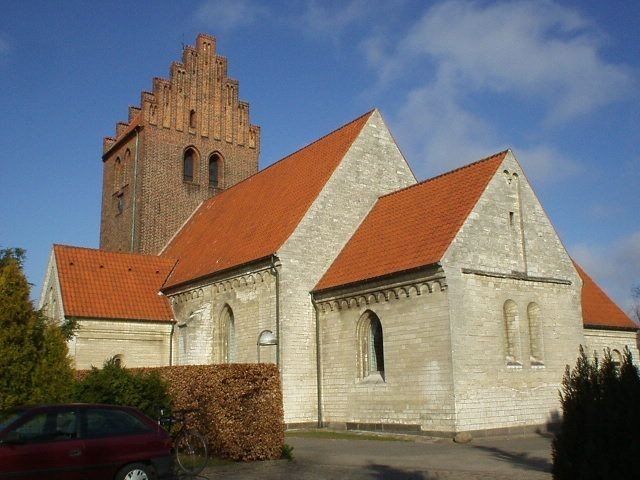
{"x": 118, "y": 360}
{"x": 535, "y": 334}
{"x": 370, "y": 345}
{"x": 188, "y": 165}
{"x": 192, "y": 119}
{"x": 227, "y": 336}
{"x": 512, "y": 344}
{"x": 214, "y": 166}
{"x": 616, "y": 359}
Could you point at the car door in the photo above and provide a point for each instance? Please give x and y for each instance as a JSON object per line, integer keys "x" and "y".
{"x": 113, "y": 438}
{"x": 45, "y": 445}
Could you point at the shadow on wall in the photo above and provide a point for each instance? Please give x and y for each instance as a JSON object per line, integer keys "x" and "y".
{"x": 521, "y": 460}
{"x": 552, "y": 425}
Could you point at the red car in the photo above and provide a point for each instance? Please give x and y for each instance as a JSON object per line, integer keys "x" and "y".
{"x": 83, "y": 441}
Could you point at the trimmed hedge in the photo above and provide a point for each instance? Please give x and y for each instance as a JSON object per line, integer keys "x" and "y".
{"x": 240, "y": 404}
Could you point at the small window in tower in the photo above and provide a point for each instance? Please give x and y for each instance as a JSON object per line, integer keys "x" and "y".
{"x": 214, "y": 166}
{"x": 119, "y": 203}
{"x": 511, "y": 219}
{"x": 192, "y": 119}
{"x": 187, "y": 166}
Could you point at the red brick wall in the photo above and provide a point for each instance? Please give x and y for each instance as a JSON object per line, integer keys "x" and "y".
{"x": 163, "y": 200}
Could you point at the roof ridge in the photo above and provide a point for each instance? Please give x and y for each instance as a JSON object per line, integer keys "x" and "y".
{"x": 286, "y": 157}
{"x": 469, "y": 165}
{"x": 131, "y": 254}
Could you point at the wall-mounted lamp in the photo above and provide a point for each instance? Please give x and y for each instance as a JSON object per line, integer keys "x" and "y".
{"x": 265, "y": 339}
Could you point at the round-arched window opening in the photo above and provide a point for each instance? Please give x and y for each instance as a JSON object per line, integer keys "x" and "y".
{"x": 214, "y": 170}
{"x": 188, "y": 165}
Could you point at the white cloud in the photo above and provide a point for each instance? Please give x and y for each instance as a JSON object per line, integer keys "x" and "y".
{"x": 544, "y": 56}
{"x": 321, "y": 18}
{"x": 616, "y": 267}
{"x": 324, "y": 20}
{"x": 525, "y": 48}
{"x": 230, "y": 14}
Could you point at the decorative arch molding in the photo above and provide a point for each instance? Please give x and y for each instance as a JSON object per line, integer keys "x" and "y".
{"x": 382, "y": 295}
{"x": 226, "y": 285}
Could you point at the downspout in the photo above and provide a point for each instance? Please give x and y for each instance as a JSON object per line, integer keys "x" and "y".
{"x": 135, "y": 188}
{"x": 173, "y": 326}
{"x": 318, "y": 364}
{"x": 274, "y": 272}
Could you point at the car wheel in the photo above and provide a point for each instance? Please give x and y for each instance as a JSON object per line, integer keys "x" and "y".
{"x": 136, "y": 471}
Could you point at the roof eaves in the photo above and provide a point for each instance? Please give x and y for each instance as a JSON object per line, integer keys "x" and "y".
{"x": 379, "y": 278}
{"x": 611, "y": 327}
{"x": 169, "y": 289}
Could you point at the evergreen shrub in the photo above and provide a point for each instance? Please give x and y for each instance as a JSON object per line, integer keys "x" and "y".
{"x": 113, "y": 384}
{"x": 599, "y": 433}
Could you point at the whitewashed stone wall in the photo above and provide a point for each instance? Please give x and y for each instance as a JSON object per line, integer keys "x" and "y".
{"x": 51, "y": 295}
{"x": 251, "y": 296}
{"x": 373, "y": 166}
{"x": 417, "y": 390}
{"x": 597, "y": 340}
{"x": 508, "y": 250}
{"x": 140, "y": 343}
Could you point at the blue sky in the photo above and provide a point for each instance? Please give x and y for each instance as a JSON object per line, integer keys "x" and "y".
{"x": 456, "y": 80}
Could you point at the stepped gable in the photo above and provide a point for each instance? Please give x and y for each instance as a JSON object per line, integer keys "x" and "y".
{"x": 100, "y": 284}
{"x": 252, "y": 220}
{"x": 198, "y": 97}
{"x": 598, "y": 310}
{"x": 412, "y": 227}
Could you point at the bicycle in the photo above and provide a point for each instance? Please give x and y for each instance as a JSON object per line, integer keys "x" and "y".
{"x": 189, "y": 445}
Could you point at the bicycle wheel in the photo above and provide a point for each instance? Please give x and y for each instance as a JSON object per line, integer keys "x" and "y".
{"x": 191, "y": 452}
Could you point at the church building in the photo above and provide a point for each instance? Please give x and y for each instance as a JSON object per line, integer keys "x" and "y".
{"x": 435, "y": 307}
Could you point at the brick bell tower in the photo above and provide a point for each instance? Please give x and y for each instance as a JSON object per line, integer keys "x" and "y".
{"x": 189, "y": 139}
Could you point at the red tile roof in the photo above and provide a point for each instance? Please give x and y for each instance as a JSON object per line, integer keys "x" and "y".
{"x": 412, "y": 227}
{"x": 598, "y": 310}
{"x": 100, "y": 284}
{"x": 252, "y": 219}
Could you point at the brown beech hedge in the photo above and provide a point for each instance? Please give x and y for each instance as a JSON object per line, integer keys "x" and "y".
{"x": 240, "y": 406}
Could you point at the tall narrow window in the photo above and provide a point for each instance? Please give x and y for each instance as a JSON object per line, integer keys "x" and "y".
{"x": 370, "y": 346}
{"x": 119, "y": 203}
{"x": 192, "y": 119}
{"x": 214, "y": 165}
{"x": 535, "y": 334}
{"x": 188, "y": 165}
{"x": 512, "y": 344}
{"x": 227, "y": 336}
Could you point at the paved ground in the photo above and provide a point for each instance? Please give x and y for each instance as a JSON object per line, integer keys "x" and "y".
{"x": 522, "y": 458}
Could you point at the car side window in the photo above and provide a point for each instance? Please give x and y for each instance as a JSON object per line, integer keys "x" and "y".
{"x": 111, "y": 423}
{"x": 47, "y": 427}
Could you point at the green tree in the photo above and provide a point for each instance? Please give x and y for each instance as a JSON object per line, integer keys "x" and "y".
{"x": 598, "y": 434}
{"x": 34, "y": 362}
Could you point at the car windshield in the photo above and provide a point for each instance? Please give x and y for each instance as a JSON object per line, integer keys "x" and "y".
{"x": 9, "y": 416}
